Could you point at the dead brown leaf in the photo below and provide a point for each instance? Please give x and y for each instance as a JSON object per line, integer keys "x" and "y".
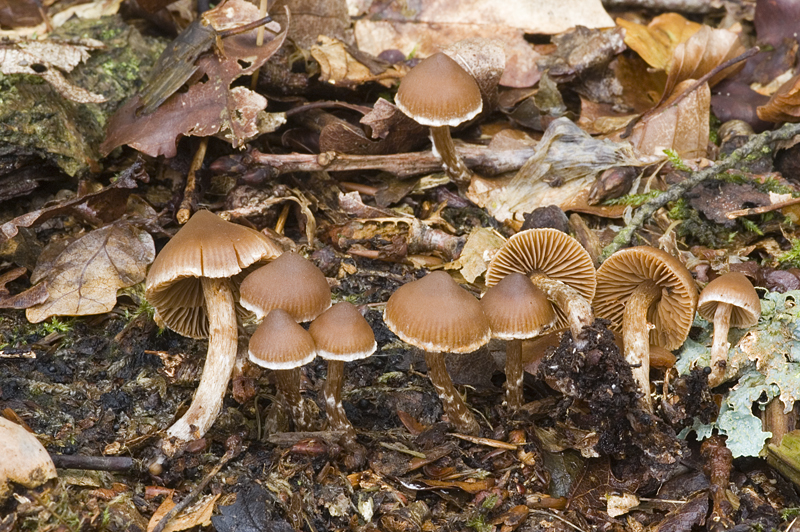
{"x": 485, "y": 59}
{"x": 30, "y": 297}
{"x": 86, "y": 275}
{"x": 656, "y": 42}
{"x": 208, "y": 107}
{"x": 339, "y": 67}
{"x": 784, "y": 105}
{"x": 197, "y": 515}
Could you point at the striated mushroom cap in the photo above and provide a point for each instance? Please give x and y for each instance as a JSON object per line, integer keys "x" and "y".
{"x": 206, "y": 246}
{"x": 281, "y": 343}
{"x": 735, "y": 289}
{"x": 342, "y": 333}
{"x": 435, "y": 314}
{"x": 549, "y": 252}
{"x": 672, "y": 314}
{"x": 516, "y": 309}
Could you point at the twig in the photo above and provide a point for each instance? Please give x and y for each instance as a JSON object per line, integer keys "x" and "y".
{"x": 748, "y": 153}
{"x": 189, "y": 202}
{"x": 485, "y": 441}
{"x": 96, "y": 463}
{"x": 680, "y": 6}
{"x": 761, "y": 210}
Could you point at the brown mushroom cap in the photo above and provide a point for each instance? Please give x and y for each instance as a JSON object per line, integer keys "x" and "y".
{"x": 435, "y": 314}
{"x": 516, "y": 309}
{"x": 735, "y": 289}
{"x": 438, "y": 92}
{"x": 550, "y": 252}
{"x": 626, "y": 269}
{"x": 280, "y": 343}
{"x": 342, "y": 333}
{"x": 206, "y": 246}
{"x": 291, "y": 283}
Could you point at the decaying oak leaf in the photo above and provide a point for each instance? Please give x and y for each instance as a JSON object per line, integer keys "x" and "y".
{"x": 47, "y": 59}
{"x": 25, "y": 460}
{"x": 86, "y": 275}
{"x": 485, "y": 60}
{"x": 208, "y": 107}
{"x": 477, "y": 253}
{"x": 683, "y": 128}
{"x": 28, "y": 298}
{"x": 784, "y": 105}
{"x": 339, "y": 67}
{"x": 199, "y": 514}
{"x": 657, "y": 41}
{"x": 85, "y": 11}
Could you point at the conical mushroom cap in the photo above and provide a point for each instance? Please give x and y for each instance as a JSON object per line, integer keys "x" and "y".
{"x": 291, "y": 283}
{"x": 342, "y": 333}
{"x": 516, "y": 309}
{"x": 280, "y": 343}
{"x": 434, "y": 313}
{"x": 206, "y": 246}
{"x": 735, "y": 289}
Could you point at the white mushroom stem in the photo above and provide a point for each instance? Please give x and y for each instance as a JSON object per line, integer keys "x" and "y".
{"x": 454, "y": 407}
{"x": 570, "y": 302}
{"x": 337, "y": 419}
{"x": 514, "y": 374}
{"x": 217, "y": 369}
{"x": 636, "y": 337}
{"x": 289, "y": 387}
{"x": 453, "y": 164}
{"x": 719, "y": 349}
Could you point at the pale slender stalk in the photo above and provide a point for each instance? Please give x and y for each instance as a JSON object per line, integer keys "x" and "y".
{"x": 514, "y": 375}
{"x": 636, "y": 337}
{"x": 219, "y": 363}
{"x": 776, "y": 422}
{"x": 455, "y": 167}
{"x": 719, "y": 349}
{"x": 289, "y": 387}
{"x": 454, "y": 407}
{"x": 570, "y": 301}
{"x": 337, "y": 419}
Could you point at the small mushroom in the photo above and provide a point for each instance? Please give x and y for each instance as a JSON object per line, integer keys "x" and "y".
{"x": 640, "y": 286}
{"x": 25, "y": 460}
{"x": 728, "y": 301}
{"x": 516, "y": 311}
{"x": 295, "y": 285}
{"x": 438, "y": 93}
{"x": 556, "y": 264}
{"x": 193, "y": 286}
{"x": 282, "y": 345}
{"x": 342, "y": 335}
{"x": 437, "y": 315}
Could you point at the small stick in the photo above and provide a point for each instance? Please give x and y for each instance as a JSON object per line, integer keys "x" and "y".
{"x": 95, "y": 463}
{"x": 280, "y": 225}
{"x": 761, "y": 210}
{"x": 486, "y": 441}
{"x": 189, "y": 202}
{"x": 367, "y": 190}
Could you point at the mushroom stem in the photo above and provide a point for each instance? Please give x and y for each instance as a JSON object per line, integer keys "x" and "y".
{"x": 514, "y": 374}
{"x": 222, "y": 339}
{"x": 776, "y": 421}
{"x": 453, "y": 164}
{"x": 289, "y": 386}
{"x": 454, "y": 407}
{"x": 337, "y": 419}
{"x": 636, "y": 336}
{"x": 570, "y": 302}
{"x": 719, "y": 349}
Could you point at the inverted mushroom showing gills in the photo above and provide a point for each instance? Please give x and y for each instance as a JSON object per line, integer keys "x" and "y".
{"x": 437, "y": 315}
{"x": 516, "y": 311}
{"x": 652, "y": 297}
{"x": 438, "y": 93}
{"x": 193, "y": 286}
{"x": 728, "y": 301}
{"x": 557, "y": 265}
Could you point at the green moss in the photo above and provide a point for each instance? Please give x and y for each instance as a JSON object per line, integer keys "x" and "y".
{"x": 791, "y": 259}
{"x": 633, "y": 199}
{"x": 676, "y": 160}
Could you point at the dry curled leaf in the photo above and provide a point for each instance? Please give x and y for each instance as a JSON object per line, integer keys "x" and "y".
{"x": 198, "y": 514}
{"x": 784, "y": 105}
{"x": 25, "y": 299}
{"x": 656, "y": 42}
{"x": 86, "y": 275}
{"x": 339, "y": 67}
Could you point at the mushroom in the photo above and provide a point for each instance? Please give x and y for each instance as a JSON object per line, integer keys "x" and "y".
{"x": 729, "y": 300}
{"x": 640, "y": 286}
{"x": 440, "y": 94}
{"x": 295, "y": 285}
{"x": 435, "y": 314}
{"x": 25, "y": 460}
{"x": 556, "y": 264}
{"x": 516, "y": 311}
{"x": 282, "y": 345}
{"x": 193, "y": 286}
{"x": 342, "y": 335}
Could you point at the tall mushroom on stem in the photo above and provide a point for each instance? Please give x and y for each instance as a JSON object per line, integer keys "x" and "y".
{"x": 193, "y": 286}
{"x": 437, "y": 315}
{"x": 640, "y": 286}
{"x": 557, "y": 265}
{"x": 729, "y": 300}
{"x": 293, "y": 284}
{"x": 516, "y": 311}
{"x": 438, "y": 93}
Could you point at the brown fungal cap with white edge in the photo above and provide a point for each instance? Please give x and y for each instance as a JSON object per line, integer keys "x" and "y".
{"x": 672, "y": 314}
{"x": 435, "y": 314}
{"x": 549, "y": 252}
{"x": 206, "y": 246}
{"x": 342, "y": 333}
{"x": 735, "y": 289}
{"x": 516, "y": 309}
{"x": 291, "y": 283}
{"x": 280, "y": 343}
{"x": 438, "y": 92}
